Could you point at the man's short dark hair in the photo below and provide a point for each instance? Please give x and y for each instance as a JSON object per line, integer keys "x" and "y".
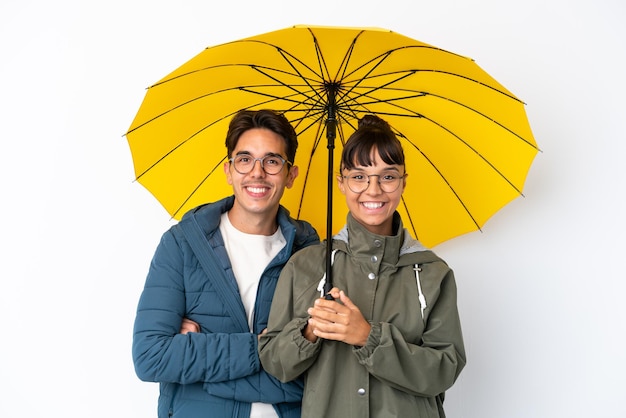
{"x": 276, "y": 122}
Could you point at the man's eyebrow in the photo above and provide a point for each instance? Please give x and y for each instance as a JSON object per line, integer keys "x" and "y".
{"x": 269, "y": 154}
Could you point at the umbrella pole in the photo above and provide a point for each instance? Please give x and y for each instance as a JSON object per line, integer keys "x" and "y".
{"x": 331, "y": 132}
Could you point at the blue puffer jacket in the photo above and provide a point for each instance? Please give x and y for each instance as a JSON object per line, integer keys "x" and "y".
{"x": 217, "y": 372}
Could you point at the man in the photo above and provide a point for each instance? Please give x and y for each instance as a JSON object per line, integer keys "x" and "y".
{"x": 211, "y": 281}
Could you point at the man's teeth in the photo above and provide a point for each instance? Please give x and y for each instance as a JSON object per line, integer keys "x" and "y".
{"x": 257, "y": 189}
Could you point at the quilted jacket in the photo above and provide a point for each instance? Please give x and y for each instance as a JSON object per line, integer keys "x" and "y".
{"x": 216, "y": 372}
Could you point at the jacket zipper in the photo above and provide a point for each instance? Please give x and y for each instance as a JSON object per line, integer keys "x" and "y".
{"x": 170, "y": 411}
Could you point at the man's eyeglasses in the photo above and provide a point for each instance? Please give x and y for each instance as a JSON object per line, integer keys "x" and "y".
{"x": 271, "y": 164}
{"x": 388, "y": 183}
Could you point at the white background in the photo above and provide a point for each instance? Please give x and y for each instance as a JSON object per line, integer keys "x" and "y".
{"x": 541, "y": 288}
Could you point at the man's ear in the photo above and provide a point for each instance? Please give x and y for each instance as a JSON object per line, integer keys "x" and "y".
{"x": 229, "y": 178}
{"x": 291, "y": 176}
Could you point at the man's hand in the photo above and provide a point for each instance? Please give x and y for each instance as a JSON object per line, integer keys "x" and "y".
{"x": 189, "y": 326}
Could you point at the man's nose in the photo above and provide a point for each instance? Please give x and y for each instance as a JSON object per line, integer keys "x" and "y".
{"x": 257, "y": 172}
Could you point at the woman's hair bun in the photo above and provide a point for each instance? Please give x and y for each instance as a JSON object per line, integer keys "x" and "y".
{"x": 373, "y": 121}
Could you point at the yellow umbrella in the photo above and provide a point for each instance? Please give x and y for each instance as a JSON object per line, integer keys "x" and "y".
{"x": 467, "y": 140}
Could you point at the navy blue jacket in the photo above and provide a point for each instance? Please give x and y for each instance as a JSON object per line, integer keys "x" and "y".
{"x": 217, "y": 372}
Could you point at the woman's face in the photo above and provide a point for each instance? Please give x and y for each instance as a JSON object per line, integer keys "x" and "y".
{"x": 374, "y": 206}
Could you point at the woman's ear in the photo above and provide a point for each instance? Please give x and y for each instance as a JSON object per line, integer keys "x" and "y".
{"x": 341, "y": 184}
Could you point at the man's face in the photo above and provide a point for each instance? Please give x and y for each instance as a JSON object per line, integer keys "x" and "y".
{"x": 258, "y": 193}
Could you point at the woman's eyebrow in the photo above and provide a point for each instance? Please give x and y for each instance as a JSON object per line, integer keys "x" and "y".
{"x": 364, "y": 169}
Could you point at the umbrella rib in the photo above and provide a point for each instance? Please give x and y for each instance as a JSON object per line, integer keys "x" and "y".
{"x": 318, "y": 137}
{"x": 254, "y": 67}
{"x": 347, "y": 116}
{"x": 456, "y": 195}
{"x": 189, "y": 138}
{"x": 242, "y": 88}
{"x": 482, "y": 157}
{"x": 385, "y": 55}
{"x": 416, "y": 71}
{"x": 299, "y": 74}
{"x": 182, "y": 143}
{"x": 309, "y": 111}
{"x": 354, "y": 99}
{"x": 290, "y": 59}
{"x": 323, "y": 67}
{"x": 408, "y": 214}
{"x": 198, "y": 187}
{"x": 419, "y": 115}
{"x": 486, "y": 117}
{"x": 346, "y": 92}
{"x": 424, "y": 94}
{"x": 284, "y": 53}
{"x": 404, "y": 75}
{"x": 410, "y": 113}
{"x": 465, "y": 208}
{"x": 343, "y": 67}
{"x": 452, "y": 189}
{"x": 280, "y": 50}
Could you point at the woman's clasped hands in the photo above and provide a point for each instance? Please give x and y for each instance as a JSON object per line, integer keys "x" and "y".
{"x": 339, "y": 319}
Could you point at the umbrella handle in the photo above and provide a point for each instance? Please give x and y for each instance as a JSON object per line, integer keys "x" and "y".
{"x": 326, "y": 285}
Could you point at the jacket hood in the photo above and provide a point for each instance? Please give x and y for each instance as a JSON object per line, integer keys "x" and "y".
{"x": 411, "y": 251}
{"x": 208, "y": 214}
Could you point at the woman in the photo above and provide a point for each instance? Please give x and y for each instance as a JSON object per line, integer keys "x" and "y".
{"x": 390, "y": 344}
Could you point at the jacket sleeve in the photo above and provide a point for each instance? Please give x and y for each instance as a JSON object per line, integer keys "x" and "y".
{"x": 283, "y": 350}
{"x": 425, "y": 369}
{"x": 160, "y": 352}
{"x": 261, "y": 387}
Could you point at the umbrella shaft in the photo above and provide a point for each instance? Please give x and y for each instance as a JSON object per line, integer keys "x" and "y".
{"x": 331, "y": 132}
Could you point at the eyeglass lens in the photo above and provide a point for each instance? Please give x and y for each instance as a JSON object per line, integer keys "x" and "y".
{"x": 271, "y": 164}
{"x": 360, "y": 183}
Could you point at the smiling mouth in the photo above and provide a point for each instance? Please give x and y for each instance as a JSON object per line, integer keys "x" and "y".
{"x": 372, "y": 205}
{"x": 257, "y": 190}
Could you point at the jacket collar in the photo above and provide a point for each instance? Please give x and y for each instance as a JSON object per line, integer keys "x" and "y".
{"x": 208, "y": 217}
{"x": 399, "y": 249}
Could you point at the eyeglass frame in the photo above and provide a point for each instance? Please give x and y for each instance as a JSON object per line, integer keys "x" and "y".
{"x": 367, "y": 185}
{"x": 262, "y": 161}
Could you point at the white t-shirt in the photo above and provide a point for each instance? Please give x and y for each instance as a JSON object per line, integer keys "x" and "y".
{"x": 249, "y": 255}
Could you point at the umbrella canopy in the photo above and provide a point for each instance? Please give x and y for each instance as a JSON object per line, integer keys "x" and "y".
{"x": 467, "y": 141}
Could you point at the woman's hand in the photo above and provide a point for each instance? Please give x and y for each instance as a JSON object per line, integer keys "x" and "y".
{"x": 332, "y": 320}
